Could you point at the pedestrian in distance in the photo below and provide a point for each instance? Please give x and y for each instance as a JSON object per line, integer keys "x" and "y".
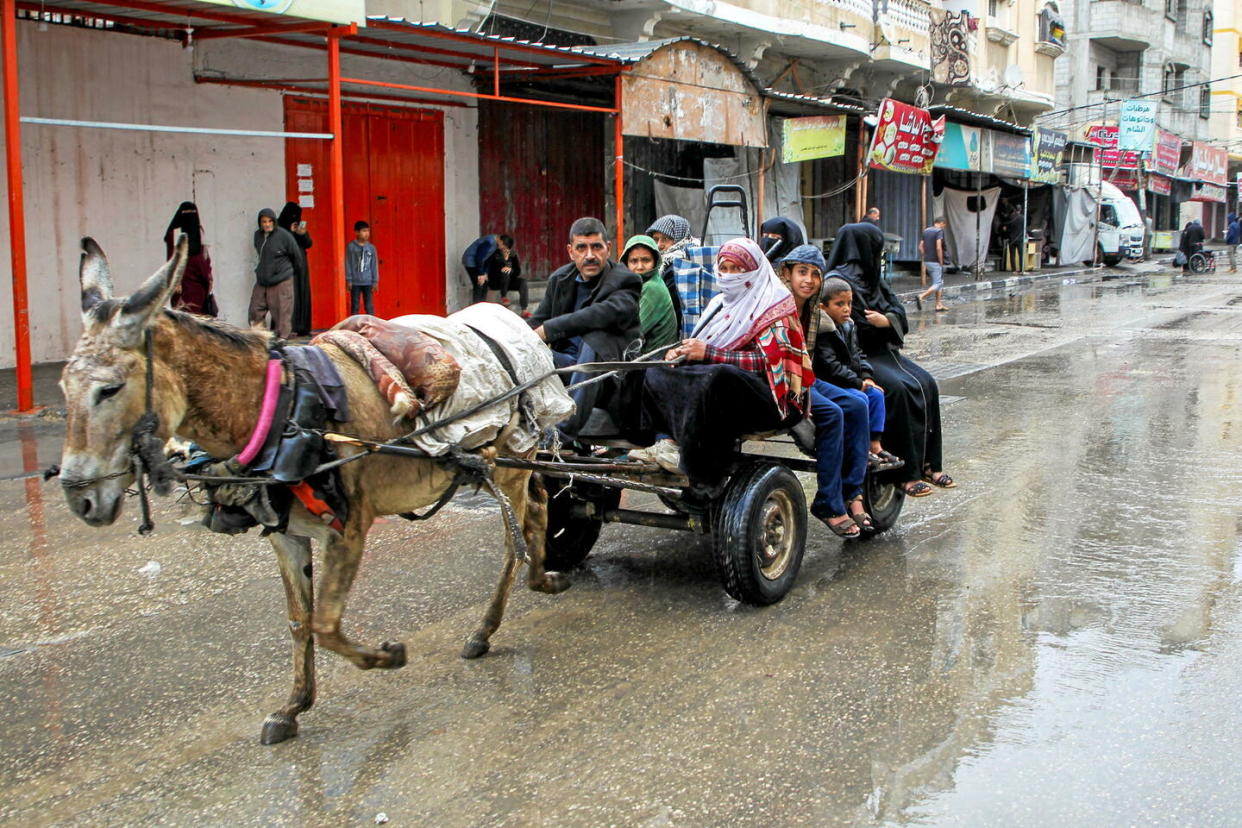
{"x": 194, "y": 293}
{"x": 279, "y": 263}
{"x": 1233, "y": 237}
{"x": 361, "y": 269}
{"x": 290, "y": 218}
{"x": 931, "y": 250}
{"x": 1191, "y": 242}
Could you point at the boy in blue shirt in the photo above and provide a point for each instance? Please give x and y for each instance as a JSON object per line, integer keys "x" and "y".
{"x": 361, "y": 268}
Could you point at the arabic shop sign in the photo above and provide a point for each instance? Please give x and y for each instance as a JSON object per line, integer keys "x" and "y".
{"x": 820, "y": 136}
{"x": 1108, "y": 155}
{"x": 1167, "y": 156}
{"x": 1010, "y": 154}
{"x": 906, "y": 139}
{"x": 1208, "y": 163}
{"x": 961, "y": 148}
{"x": 1138, "y": 126}
{"x": 1049, "y": 150}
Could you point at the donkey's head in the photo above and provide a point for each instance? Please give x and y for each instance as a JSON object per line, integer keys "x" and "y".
{"x": 104, "y": 383}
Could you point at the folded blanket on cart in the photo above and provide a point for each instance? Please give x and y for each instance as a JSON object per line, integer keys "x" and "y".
{"x": 496, "y": 351}
{"x": 413, "y": 371}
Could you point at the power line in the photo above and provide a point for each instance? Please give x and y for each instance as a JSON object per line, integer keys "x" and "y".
{"x": 1145, "y": 95}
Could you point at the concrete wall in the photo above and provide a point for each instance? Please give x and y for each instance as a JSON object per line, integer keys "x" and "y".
{"x": 122, "y": 187}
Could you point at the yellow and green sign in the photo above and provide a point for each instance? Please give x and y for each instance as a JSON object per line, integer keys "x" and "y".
{"x": 820, "y": 136}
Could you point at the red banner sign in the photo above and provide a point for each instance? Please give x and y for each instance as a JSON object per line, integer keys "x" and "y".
{"x": 1160, "y": 185}
{"x": 1168, "y": 154}
{"x": 906, "y": 139}
{"x": 1105, "y": 137}
{"x": 1208, "y": 163}
{"x": 1209, "y": 192}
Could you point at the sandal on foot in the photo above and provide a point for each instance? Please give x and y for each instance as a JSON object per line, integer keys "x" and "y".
{"x": 939, "y": 479}
{"x": 865, "y": 524}
{"x": 916, "y": 488}
{"x": 843, "y": 529}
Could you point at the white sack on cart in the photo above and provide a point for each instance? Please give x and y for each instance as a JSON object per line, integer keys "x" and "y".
{"x": 483, "y": 377}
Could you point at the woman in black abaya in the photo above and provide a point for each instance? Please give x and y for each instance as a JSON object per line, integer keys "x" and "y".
{"x": 290, "y": 218}
{"x": 911, "y": 395}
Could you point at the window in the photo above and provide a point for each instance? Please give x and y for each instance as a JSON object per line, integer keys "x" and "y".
{"x": 1183, "y": 15}
{"x": 1205, "y": 101}
{"x": 992, "y": 8}
{"x": 1207, "y": 27}
{"x": 1168, "y": 81}
{"x": 1101, "y": 77}
{"x": 1170, "y": 9}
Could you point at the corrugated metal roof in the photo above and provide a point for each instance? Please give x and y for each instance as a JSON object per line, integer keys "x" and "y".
{"x": 965, "y": 116}
{"x": 636, "y": 52}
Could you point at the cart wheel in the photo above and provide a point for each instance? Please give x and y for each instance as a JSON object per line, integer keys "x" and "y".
{"x": 571, "y": 536}
{"x": 761, "y": 534}
{"x": 1198, "y": 263}
{"x": 883, "y": 501}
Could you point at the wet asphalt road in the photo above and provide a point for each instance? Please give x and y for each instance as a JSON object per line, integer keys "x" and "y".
{"x": 1054, "y": 642}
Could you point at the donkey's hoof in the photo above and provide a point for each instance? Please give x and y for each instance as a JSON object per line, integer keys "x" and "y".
{"x": 552, "y": 583}
{"x": 476, "y": 646}
{"x": 278, "y": 728}
{"x": 396, "y": 653}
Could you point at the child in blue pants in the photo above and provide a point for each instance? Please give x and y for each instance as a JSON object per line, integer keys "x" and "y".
{"x": 844, "y": 366}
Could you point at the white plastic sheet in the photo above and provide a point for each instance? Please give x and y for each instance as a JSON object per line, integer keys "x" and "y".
{"x": 1077, "y": 240}
{"x": 969, "y": 234}
{"x": 483, "y": 377}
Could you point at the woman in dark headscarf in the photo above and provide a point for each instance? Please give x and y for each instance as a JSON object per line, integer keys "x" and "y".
{"x": 194, "y": 293}
{"x": 290, "y": 218}
{"x": 910, "y": 393}
{"x": 778, "y": 236}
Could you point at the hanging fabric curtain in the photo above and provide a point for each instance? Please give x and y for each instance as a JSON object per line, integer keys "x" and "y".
{"x": 970, "y": 246}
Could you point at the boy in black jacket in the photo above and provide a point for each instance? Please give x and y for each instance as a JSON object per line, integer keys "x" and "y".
{"x": 840, "y": 361}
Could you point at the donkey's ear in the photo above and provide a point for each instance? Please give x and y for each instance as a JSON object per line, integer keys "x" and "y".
{"x": 94, "y": 275}
{"x": 144, "y": 304}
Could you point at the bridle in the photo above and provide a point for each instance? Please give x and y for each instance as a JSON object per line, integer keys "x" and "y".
{"x": 146, "y": 452}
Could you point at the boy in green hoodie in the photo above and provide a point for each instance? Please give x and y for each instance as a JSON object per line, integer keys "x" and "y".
{"x": 656, "y": 317}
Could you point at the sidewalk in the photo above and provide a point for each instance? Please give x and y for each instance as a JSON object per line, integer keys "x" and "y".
{"x": 963, "y": 284}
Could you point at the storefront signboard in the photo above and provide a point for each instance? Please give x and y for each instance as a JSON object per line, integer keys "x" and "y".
{"x": 333, "y": 11}
{"x": 819, "y": 136}
{"x": 1159, "y": 184}
{"x": 1167, "y": 156}
{"x": 1010, "y": 155}
{"x": 1137, "y": 130}
{"x": 1208, "y": 163}
{"x": 1108, "y": 155}
{"x": 1209, "y": 192}
{"x": 906, "y": 138}
{"x": 961, "y": 149}
{"x": 1049, "y": 150}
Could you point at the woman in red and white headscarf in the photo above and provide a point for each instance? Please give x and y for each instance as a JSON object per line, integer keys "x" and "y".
{"x": 747, "y": 370}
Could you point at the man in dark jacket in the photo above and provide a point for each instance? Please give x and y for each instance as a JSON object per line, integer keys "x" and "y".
{"x": 1191, "y": 242}
{"x": 280, "y": 259}
{"x": 589, "y": 311}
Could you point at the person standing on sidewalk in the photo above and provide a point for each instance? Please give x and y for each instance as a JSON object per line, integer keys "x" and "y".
{"x": 361, "y": 269}
{"x": 290, "y": 218}
{"x": 279, "y": 261}
{"x": 931, "y": 248}
{"x": 1233, "y": 237}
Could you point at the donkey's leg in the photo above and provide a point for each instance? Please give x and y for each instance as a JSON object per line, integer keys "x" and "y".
{"x": 340, "y": 564}
{"x": 512, "y": 484}
{"x": 535, "y": 528}
{"x": 293, "y": 554}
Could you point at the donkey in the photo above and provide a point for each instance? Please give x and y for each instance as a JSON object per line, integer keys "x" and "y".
{"x": 208, "y": 379}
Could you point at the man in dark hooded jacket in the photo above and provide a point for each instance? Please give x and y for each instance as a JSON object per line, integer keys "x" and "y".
{"x": 280, "y": 259}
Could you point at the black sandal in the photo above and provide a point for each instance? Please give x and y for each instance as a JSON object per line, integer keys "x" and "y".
{"x": 939, "y": 479}
{"x": 916, "y": 488}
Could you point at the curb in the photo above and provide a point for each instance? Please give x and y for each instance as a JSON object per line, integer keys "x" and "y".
{"x": 1013, "y": 281}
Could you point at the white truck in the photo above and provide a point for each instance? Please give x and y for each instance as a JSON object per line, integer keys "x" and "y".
{"x": 1121, "y": 228}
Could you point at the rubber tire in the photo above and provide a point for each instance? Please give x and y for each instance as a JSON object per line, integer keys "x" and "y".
{"x": 737, "y": 528}
{"x": 567, "y": 549}
{"x": 1198, "y": 263}
{"x": 883, "y": 501}
{"x": 1111, "y": 260}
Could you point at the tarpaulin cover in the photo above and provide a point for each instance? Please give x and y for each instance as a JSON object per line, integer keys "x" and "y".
{"x": 1076, "y": 207}
{"x": 484, "y": 377}
{"x": 969, "y": 236}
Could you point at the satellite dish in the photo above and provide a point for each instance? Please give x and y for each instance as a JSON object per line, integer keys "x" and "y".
{"x": 1014, "y": 76}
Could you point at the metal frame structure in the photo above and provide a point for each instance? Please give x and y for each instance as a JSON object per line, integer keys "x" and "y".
{"x": 382, "y": 38}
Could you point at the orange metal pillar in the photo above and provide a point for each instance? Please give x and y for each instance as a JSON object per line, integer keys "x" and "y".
{"x": 17, "y": 216}
{"x": 619, "y": 168}
{"x": 336, "y": 178}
